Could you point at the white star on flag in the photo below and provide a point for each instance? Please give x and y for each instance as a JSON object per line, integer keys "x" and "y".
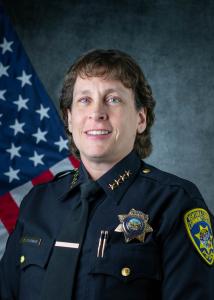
{"x": 3, "y": 70}
{"x": 21, "y": 103}
{"x": 14, "y": 151}
{"x": 12, "y": 174}
{"x": 40, "y": 135}
{"x": 37, "y": 159}
{"x": 25, "y": 78}
{"x": 43, "y": 112}
{"x": 17, "y": 127}
{"x": 2, "y": 92}
{"x": 62, "y": 144}
{"x": 6, "y": 46}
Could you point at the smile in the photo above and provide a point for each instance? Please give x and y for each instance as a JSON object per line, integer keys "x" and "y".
{"x": 97, "y": 132}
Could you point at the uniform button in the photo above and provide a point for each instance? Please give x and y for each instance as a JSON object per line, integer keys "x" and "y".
{"x": 146, "y": 171}
{"x": 125, "y": 271}
{"x": 22, "y": 259}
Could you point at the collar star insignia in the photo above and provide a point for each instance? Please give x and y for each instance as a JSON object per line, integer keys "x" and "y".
{"x": 75, "y": 177}
{"x": 134, "y": 225}
{"x": 120, "y": 180}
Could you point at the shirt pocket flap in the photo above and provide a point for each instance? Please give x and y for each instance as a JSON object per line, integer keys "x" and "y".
{"x": 129, "y": 263}
{"x": 36, "y": 254}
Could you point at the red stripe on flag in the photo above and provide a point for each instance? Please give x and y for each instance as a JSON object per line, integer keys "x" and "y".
{"x": 8, "y": 211}
{"x": 44, "y": 177}
{"x": 74, "y": 161}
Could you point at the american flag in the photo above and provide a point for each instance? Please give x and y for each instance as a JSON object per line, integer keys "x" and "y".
{"x": 33, "y": 145}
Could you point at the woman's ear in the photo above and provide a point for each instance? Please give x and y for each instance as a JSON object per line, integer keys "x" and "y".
{"x": 142, "y": 120}
{"x": 69, "y": 120}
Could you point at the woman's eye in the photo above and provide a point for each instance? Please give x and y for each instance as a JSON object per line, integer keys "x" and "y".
{"x": 84, "y": 100}
{"x": 113, "y": 100}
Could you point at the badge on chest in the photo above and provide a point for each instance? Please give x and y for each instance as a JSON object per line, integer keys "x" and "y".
{"x": 134, "y": 225}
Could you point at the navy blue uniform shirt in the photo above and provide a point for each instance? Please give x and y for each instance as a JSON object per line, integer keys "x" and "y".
{"x": 173, "y": 260}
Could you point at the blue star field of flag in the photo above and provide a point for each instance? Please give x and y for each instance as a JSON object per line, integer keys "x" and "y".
{"x": 32, "y": 138}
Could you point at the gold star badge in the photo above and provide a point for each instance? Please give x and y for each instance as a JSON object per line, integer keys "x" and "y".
{"x": 134, "y": 225}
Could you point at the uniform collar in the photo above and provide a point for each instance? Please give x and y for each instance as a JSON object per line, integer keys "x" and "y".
{"x": 116, "y": 181}
{"x": 79, "y": 176}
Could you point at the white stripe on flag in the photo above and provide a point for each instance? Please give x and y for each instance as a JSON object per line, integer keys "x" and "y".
{"x": 3, "y": 238}
{"x": 63, "y": 165}
{"x": 21, "y": 191}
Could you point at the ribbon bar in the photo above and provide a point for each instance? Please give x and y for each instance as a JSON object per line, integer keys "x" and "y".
{"x": 66, "y": 245}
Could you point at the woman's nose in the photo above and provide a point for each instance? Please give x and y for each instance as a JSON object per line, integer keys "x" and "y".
{"x": 98, "y": 113}
{"x": 98, "y": 116}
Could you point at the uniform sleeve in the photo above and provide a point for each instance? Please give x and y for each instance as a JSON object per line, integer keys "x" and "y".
{"x": 186, "y": 274}
{"x": 9, "y": 267}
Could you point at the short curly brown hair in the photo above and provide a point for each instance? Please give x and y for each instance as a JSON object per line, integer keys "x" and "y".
{"x": 118, "y": 65}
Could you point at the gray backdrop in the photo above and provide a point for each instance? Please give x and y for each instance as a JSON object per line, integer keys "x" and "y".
{"x": 174, "y": 43}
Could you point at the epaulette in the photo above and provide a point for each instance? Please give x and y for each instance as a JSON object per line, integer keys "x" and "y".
{"x": 64, "y": 173}
{"x": 169, "y": 179}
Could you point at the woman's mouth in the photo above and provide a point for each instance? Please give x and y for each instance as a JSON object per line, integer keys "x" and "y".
{"x": 96, "y": 132}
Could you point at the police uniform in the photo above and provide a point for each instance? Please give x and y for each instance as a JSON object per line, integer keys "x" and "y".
{"x": 148, "y": 236}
